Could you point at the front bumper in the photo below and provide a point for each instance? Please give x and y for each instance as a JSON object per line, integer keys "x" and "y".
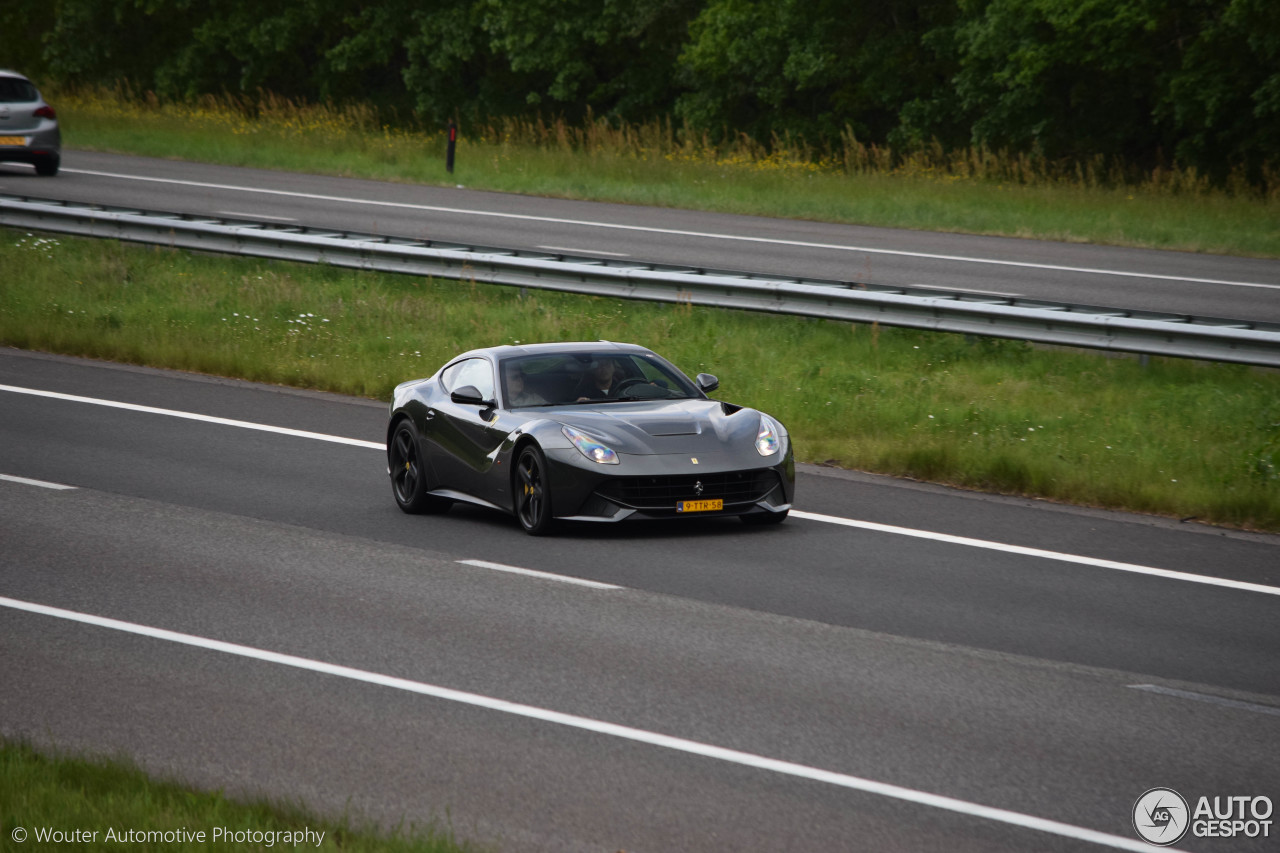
{"x": 653, "y": 486}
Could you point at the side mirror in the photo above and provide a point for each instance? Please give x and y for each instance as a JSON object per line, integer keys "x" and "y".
{"x": 469, "y": 395}
{"x": 707, "y": 383}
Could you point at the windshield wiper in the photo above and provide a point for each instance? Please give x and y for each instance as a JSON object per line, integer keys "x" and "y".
{"x": 630, "y": 398}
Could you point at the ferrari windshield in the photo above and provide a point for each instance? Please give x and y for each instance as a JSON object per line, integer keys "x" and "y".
{"x": 571, "y": 378}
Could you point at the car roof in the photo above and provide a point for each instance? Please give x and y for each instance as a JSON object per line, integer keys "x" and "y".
{"x": 512, "y": 350}
{"x": 5, "y": 72}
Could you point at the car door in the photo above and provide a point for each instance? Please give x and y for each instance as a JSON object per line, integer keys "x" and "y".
{"x": 465, "y": 435}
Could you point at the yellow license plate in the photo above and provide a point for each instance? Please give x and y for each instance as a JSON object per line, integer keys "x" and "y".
{"x": 13, "y": 140}
{"x": 699, "y": 506}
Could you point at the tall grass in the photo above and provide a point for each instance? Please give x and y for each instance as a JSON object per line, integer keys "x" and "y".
{"x": 659, "y": 163}
{"x": 42, "y": 792}
{"x": 1176, "y": 437}
{"x": 662, "y": 139}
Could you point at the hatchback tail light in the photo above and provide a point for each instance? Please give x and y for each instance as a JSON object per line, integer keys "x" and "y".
{"x": 46, "y": 112}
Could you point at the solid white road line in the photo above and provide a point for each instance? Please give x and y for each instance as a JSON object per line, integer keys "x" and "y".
{"x": 690, "y": 747}
{"x": 1205, "y": 697}
{"x": 191, "y": 416}
{"x": 461, "y": 211}
{"x": 1036, "y": 552}
{"x": 516, "y": 570}
{"x": 41, "y": 483}
{"x": 795, "y": 513}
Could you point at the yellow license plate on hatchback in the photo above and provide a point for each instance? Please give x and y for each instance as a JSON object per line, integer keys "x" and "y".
{"x": 13, "y": 140}
{"x": 699, "y": 506}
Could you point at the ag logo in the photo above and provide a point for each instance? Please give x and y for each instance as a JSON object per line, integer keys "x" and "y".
{"x": 1161, "y": 816}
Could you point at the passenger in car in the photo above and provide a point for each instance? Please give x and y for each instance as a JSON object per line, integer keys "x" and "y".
{"x": 517, "y": 395}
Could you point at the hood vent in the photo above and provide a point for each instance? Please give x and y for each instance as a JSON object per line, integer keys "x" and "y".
{"x": 670, "y": 426}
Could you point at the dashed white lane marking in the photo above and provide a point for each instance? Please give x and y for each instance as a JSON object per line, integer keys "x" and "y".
{"x": 1004, "y": 293}
{"x": 584, "y": 251}
{"x": 810, "y": 516}
{"x": 252, "y": 216}
{"x": 1036, "y": 552}
{"x": 28, "y": 482}
{"x": 690, "y": 747}
{"x": 710, "y": 235}
{"x": 516, "y": 570}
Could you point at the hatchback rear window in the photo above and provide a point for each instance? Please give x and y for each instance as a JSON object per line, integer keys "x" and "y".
{"x": 15, "y": 91}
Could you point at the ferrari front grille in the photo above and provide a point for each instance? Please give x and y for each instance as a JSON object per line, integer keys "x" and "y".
{"x": 661, "y": 492}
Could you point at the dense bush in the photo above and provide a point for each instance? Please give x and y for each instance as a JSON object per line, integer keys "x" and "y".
{"x": 1143, "y": 82}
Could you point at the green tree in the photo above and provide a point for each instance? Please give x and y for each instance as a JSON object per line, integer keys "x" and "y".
{"x": 24, "y": 24}
{"x": 182, "y": 48}
{"x": 97, "y": 41}
{"x": 436, "y": 54}
{"x": 1224, "y": 96}
{"x": 486, "y": 58}
{"x": 1071, "y": 77}
{"x": 1133, "y": 79}
{"x": 615, "y": 57}
{"x": 809, "y": 68}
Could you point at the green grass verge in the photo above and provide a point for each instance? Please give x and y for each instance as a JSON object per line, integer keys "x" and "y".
{"x": 114, "y": 805}
{"x": 972, "y": 192}
{"x": 1180, "y": 438}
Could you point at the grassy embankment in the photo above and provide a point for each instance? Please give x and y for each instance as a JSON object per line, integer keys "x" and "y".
{"x": 41, "y": 793}
{"x": 1177, "y": 437}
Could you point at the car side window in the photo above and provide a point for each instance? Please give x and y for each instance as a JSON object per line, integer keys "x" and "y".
{"x": 471, "y": 371}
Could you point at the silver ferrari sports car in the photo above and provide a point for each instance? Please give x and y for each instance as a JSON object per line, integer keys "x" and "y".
{"x": 583, "y": 432}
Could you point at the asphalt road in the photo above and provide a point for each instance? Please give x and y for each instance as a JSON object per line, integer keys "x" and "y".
{"x": 1177, "y": 282}
{"x": 813, "y": 686}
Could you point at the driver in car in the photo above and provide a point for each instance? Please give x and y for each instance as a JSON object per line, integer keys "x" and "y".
{"x": 599, "y": 383}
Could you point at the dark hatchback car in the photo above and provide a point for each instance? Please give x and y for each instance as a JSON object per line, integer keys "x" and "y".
{"x": 29, "y": 130}
{"x": 583, "y": 432}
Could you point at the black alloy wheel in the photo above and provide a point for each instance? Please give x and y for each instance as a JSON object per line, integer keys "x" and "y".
{"x": 532, "y": 491}
{"x": 409, "y": 473}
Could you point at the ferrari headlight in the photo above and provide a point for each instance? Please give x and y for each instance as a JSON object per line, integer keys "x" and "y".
{"x": 589, "y": 447}
{"x": 767, "y": 441}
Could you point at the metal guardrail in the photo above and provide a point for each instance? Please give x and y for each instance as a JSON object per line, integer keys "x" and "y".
{"x": 1095, "y": 327}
